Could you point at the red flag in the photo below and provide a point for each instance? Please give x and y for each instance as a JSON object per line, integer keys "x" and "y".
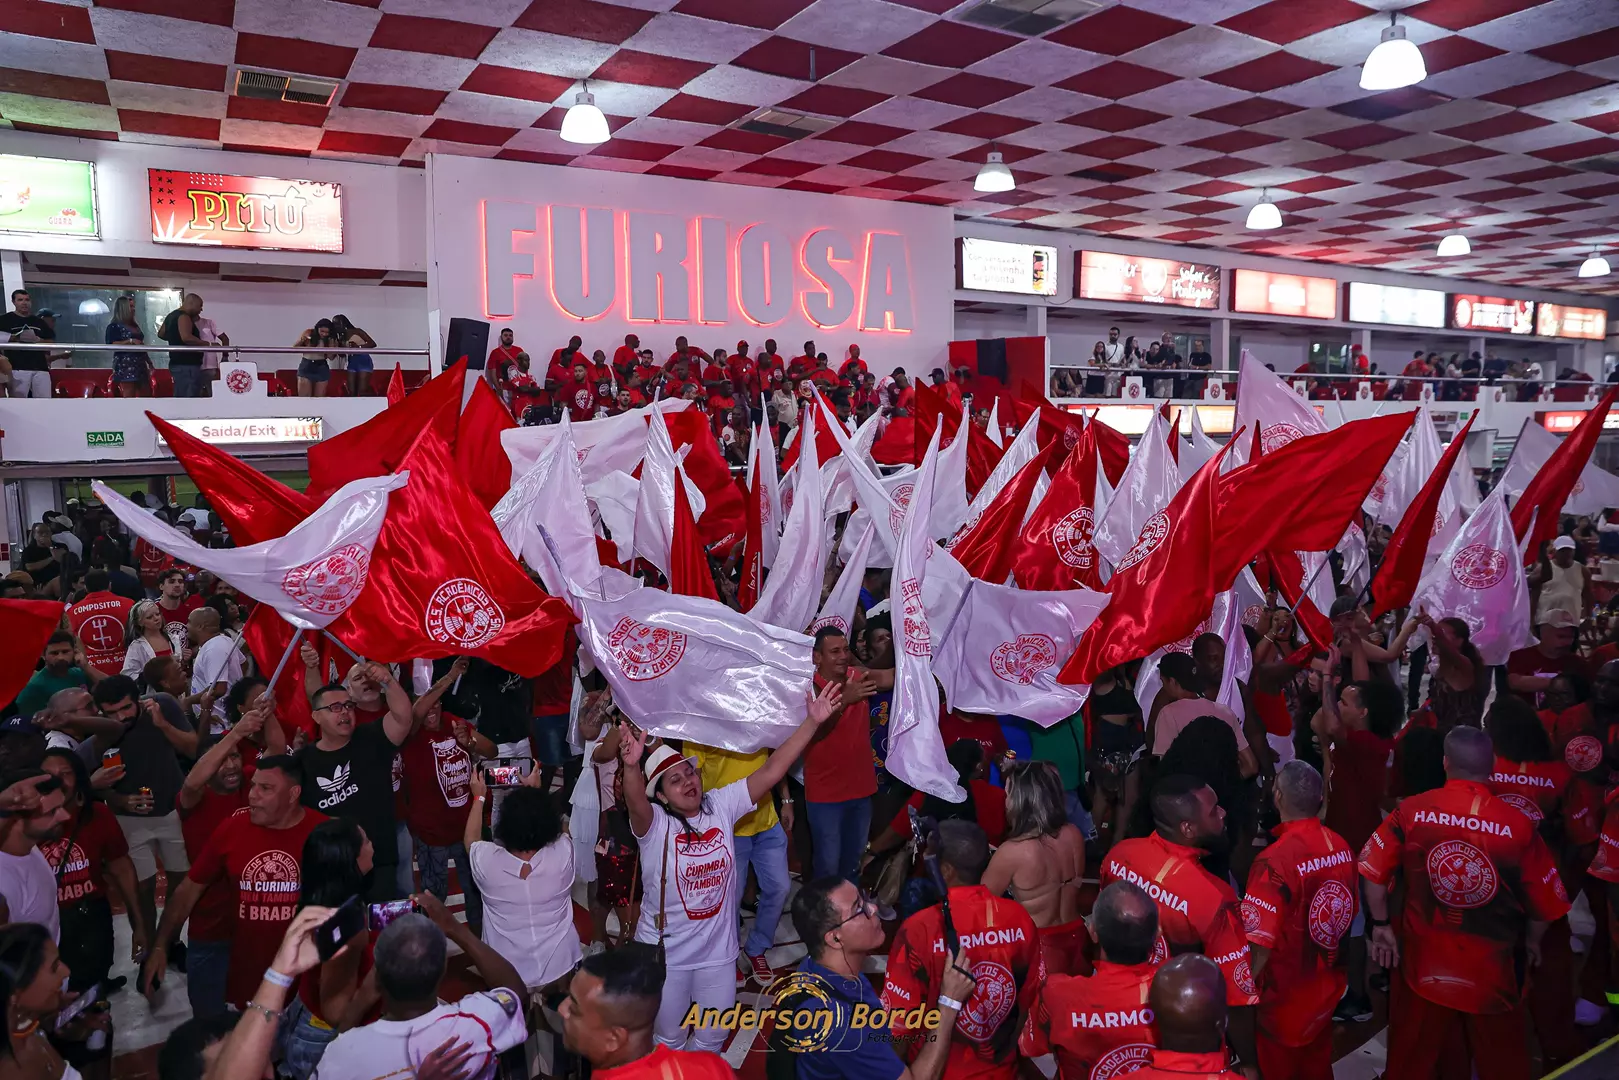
{"x": 688, "y": 562}
{"x": 444, "y": 583}
{"x": 478, "y": 453}
{"x": 1112, "y": 446}
{"x": 724, "y": 517}
{"x": 987, "y": 546}
{"x": 1287, "y": 574}
{"x": 982, "y": 457}
{"x": 1112, "y": 449}
{"x": 826, "y": 443}
{"x": 1174, "y": 433}
{"x": 753, "y": 555}
{"x": 396, "y": 386}
{"x": 1163, "y": 588}
{"x": 376, "y": 447}
{"x": 25, "y": 625}
{"x": 1401, "y": 568}
{"x": 1542, "y": 501}
{"x": 253, "y": 507}
{"x": 1303, "y": 496}
{"x": 932, "y": 409}
{"x": 1054, "y": 549}
{"x": 894, "y": 446}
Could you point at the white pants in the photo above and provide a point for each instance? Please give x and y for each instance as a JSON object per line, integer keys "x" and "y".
{"x": 712, "y": 987}
{"x": 152, "y": 838}
{"x": 30, "y": 384}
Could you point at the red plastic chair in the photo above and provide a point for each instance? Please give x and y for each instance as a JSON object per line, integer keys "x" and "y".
{"x": 84, "y": 383}
{"x": 162, "y": 382}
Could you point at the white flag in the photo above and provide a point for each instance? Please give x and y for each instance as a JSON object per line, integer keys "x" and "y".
{"x": 552, "y": 493}
{"x": 949, "y": 510}
{"x": 1595, "y": 491}
{"x": 835, "y": 479}
{"x": 1357, "y": 559}
{"x": 1226, "y": 619}
{"x": 1003, "y": 647}
{"x": 1201, "y": 448}
{"x": 1149, "y": 482}
{"x": 1479, "y": 578}
{"x": 1265, "y": 401}
{"x": 1023, "y": 449}
{"x": 792, "y": 593}
{"x": 915, "y": 747}
{"x": 655, "y": 501}
{"x": 312, "y": 575}
{"x": 686, "y": 667}
{"x": 611, "y": 444}
{"x": 771, "y": 511}
{"x": 993, "y": 430}
{"x": 838, "y": 611}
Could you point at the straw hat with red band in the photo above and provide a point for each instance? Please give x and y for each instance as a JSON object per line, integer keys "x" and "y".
{"x": 661, "y": 761}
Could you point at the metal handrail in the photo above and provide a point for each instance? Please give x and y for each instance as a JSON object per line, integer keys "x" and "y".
{"x": 128, "y": 346}
{"x": 1230, "y": 375}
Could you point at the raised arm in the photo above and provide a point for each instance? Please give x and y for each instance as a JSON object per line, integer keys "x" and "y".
{"x": 398, "y": 723}
{"x": 631, "y": 743}
{"x": 196, "y": 781}
{"x": 818, "y": 710}
{"x": 425, "y": 703}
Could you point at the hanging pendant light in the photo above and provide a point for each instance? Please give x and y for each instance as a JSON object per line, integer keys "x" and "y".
{"x": 1264, "y": 215}
{"x": 1594, "y": 266}
{"x": 994, "y": 176}
{"x": 584, "y": 122}
{"x": 1454, "y": 244}
{"x": 1394, "y": 63}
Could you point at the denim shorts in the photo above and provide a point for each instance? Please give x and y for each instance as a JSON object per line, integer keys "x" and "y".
{"x": 361, "y": 361}
{"x": 314, "y": 370}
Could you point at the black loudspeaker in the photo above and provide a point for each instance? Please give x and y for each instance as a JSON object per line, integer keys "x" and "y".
{"x": 469, "y": 339}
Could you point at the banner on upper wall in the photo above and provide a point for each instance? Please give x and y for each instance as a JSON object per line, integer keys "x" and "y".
{"x": 1560, "y": 320}
{"x": 48, "y": 196}
{"x": 1265, "y": 293}
{"x": 264, "y": 213}
{"x": 1103, "y": 275}
{"x": 554, "y": 252}
{"x": 1471, "y": 312}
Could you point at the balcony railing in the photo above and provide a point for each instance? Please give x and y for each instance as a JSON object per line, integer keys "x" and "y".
{"x": 1074, "y": 382}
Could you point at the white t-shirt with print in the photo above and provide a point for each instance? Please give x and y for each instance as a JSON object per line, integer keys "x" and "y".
{"x": 700, "y": 901}
{"x": 491, "y": 1021}
{"x": 218, "y": 661}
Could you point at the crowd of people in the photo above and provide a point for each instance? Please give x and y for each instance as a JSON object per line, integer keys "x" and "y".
{"x": 1380, "y": 819}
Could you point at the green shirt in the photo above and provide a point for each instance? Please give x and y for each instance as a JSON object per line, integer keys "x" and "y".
{"x": 37, "y": 694}
{"x": 1061, "y": 744}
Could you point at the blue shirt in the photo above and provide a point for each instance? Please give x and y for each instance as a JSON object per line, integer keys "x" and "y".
{"x": 851, "y": 1054}
{"x": 881, "y": 702}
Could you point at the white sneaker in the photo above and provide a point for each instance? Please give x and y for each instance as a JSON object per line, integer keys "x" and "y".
{"x": 1588, "y": 1013}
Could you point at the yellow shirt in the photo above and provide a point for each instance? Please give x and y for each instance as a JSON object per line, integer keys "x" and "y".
{"x": 720, "y": 767}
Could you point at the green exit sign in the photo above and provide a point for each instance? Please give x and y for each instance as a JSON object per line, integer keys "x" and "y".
{"x": 104, "y": 438}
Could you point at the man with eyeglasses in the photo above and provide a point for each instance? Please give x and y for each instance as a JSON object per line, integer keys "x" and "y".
{"x": 348, "y": 770}
{"x": 841, "y": 926}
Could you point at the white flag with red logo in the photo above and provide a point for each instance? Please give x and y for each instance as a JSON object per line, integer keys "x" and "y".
{"x": 1149, "y": 482}
{"x": 1479, "y": 578}
{"x": 552, "y": 493}
{"x": 311, "y": 575}
{"x": 838, "y": 611}
{"x": 611, "y": 444}
{"x": 686, "y": 667}
{"x": 1271, "y": 406}
{"x": 1595, "y": 491}
{"x": 1002, "y": 647}
{"x": 792, "y": 592}
{"x": 915, "y": 747}
{"x": 1225, "y": 618}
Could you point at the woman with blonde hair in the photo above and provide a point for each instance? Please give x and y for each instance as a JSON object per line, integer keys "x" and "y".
{"x": 130, "y": 370}
{"x": 1042, "y": 863}
{"x": 144, "y": 639}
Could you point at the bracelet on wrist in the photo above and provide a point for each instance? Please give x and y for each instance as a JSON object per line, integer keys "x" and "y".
{"x": 949, "y": 1003}
{"x": 272, "y": 1016}
{"x": 271, "y": 975}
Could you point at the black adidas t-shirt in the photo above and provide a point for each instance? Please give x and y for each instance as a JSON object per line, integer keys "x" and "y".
{"x": 356, "y": 784}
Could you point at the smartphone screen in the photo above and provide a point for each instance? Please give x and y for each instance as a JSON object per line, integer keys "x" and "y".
{"x": 383, "y": 914}
{"x": 78, "y": 1006}
{"x": 346, "y": 923}
{"x": 503, "y": 775}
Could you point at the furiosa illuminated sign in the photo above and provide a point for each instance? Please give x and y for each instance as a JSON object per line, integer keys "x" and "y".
{"x": 655, "y": 267}
{"x": 260, "y": 212}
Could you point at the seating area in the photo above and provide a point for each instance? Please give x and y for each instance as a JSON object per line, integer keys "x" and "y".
{"x": 97, "y": 382}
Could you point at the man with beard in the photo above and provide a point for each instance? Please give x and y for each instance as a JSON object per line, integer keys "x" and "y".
{"x": 27, "y": 883}
{"x": 212, "y": 792}
{"x": 1197, "y": 912}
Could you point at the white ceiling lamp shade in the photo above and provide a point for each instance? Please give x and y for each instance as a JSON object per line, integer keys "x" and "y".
{"x": 1265, "y": 215}
{"x": 584, "y": 122}
{"x": 1394, "y": 63}
{"x": 1594, "y": 266}
{"x": 994, "y": 176}
{"x": 1453, "y": 245}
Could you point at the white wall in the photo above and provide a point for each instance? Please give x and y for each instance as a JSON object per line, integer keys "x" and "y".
{"x": 384, "y": 207}
{"x": 506, "y": 274}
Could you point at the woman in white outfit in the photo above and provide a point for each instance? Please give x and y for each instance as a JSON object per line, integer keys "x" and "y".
{"x": 144, "y": 640}
{"x": 688, "y": 867}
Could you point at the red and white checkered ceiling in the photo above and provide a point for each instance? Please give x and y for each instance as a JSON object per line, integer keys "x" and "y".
{"x": 1147, "y": 119}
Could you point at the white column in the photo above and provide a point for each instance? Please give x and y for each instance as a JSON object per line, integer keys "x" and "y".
{"x": 1220, "y": 344}
{"x": 11, "y": 274}
{"x": 1034, "y": 320}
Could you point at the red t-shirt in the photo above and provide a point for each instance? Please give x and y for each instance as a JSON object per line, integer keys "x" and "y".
{"x": 150, "y": 562}
{"x": 1540, "y": 790}
{"x": 95, "y": 843}
{"x": 1532, "y": 661}
{"x": 744, "y": 377}
{"x": 500, "y": 357}
{"x": 214, "y": 916}
{"x": 1197, "y": 912}
{"x": 1004, "y": 948}
{"x": 1360, "y": 765}
{"x": 553, "y": 687}
{"x": 772, "y": 375}
{"x": 825, "y": 378}
{"x": 580, "y": 397}
{"x": 800, "y": 365}
{"x": 437, "y": 770}
{"x": 984, "y": 730}
{"x": 837, "y": 766}
{"x": 1475, "y": 872}
{"x": 1302, "y": 894}
{"x": 666, "y": 1064}
{"x": 174, "y": 622}
{"x": 1586, "y": 746}
{"x": 989, "y": 802}
{"x": 1174, "y": 1065}
{"x": 1100, "y": 1026}
{"x": 100, "y": 621}
{"x": 1605, "y": 866}
{"x": 624, "y": 359}
{"x": 852, "y": 368}
{"x": 264, "y": 863}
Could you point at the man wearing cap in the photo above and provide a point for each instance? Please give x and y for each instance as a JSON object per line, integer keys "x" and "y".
{"x": 745, "y": 375}
{"x": 1530, "y": 670}
{"x": 1562, "y": 583}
